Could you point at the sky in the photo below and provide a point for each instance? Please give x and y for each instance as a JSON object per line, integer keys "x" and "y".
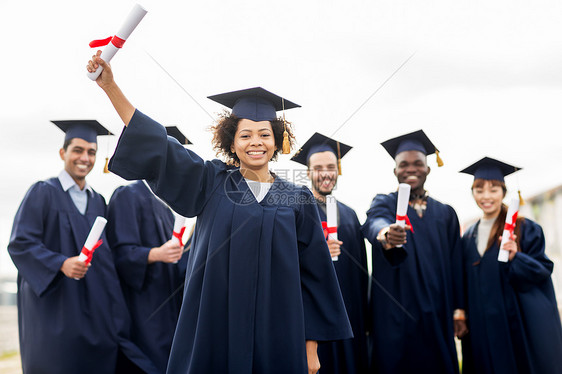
{"x": 481, "y": 78}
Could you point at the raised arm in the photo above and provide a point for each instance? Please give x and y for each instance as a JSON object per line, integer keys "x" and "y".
{"x": 121, "y": 104}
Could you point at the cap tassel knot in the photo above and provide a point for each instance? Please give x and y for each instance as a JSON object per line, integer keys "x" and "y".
{"x": 438, "y": 159}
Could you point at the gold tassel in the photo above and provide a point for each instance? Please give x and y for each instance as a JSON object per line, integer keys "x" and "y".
{"x": 339, "y": 159}
{"x": 438, "y": 159}
{"x": 286, "y": 143}
{"x": 106, "y": 168}
{"x": 521, "y": 201}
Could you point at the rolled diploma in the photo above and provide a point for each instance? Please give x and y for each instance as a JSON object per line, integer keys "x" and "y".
{"x": 179, "y": 223}
{"x": 132, "y": 21}
{"x": 503, "y": 255}
{"x": 332, "y": 218}
{"x": 93, "y": 236}
{"x": 402, "y": 203}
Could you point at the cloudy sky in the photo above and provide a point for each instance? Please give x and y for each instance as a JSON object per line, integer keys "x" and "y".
{"x": 484, "y": 78}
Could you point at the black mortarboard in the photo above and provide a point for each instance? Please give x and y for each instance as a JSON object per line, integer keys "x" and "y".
{"x": 320, "y": 143}
{"x": 83, "y": 129}
{"x": 255, "y": 104}
{"x": 414, "y": 141}
{"x": 490, "y": 169}
{"x": 174, "y": 132}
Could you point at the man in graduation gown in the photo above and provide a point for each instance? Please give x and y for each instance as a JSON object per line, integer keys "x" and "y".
{"x": 417, "y": 273}
{"x": 321, "y": 155}
{"x": 72, "y": 316}
{"x": 151, "y": 267}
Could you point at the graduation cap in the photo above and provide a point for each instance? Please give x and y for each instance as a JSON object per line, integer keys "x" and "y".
{"x": 490, "y": 169}
{"x": 174, "y": 132}
{"x": 321, "y": 143}
{"x": 256, "y": 104}
{"x": 86, "y": 129}
{"x": 414, "y": 141}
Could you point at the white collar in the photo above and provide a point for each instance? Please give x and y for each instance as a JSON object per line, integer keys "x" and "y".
{"x": 67, "y": 182}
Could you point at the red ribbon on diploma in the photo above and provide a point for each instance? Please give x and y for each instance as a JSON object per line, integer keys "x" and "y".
{"x": 405, "y": 218}
{"x": 115, "y": 40}
{"x": 510, "y": 227}
{"x": 179, "y": 236}
{"x": 90, "y": 252}
{"x": 328, "y": 230}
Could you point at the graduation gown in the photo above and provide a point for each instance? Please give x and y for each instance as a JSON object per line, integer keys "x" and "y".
{"x": 415, "y": 290}
{"x": 349, "y": 356}
{"x": 259, "y": 278}
{"x": 66, "y": 325}
{"x": 512, "y": 314}
{"x": 138, "y": 222}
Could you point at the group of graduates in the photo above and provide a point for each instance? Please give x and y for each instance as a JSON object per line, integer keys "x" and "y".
{"x": 262, "y": 286}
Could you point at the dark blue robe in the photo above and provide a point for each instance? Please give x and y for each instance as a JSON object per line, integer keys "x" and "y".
{"x": 511, "y": 308}
{"x": 259, "y": 278}
{"x": 415, "y": 290}
{"x": 66, "y": 325}
{"x": 349, "y": 356}
{"x": 138, "y": 222}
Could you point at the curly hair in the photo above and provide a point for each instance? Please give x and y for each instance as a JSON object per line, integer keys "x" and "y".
{"x": 225, "y": 130}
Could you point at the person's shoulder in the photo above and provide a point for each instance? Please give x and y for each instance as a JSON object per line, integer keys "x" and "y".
{"x": 45, "y": 186}
{"x": 385, "y": 198}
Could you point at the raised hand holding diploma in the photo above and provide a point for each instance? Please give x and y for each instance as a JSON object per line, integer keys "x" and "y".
{"x": 509, "y": 227}
{"x": 114, "y": 43}
{"x": 402, "y": 206}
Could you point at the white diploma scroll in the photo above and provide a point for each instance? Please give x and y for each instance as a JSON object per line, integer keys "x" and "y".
{"x": 132, "y": 21}
{"x": 179, "y": 228}
{"x": 402, "y": 204}
{"x": 332, "y": 219}
{"x": 92, "y": 239}
{"x": 511, "y": 217}
{"x": 179, "y": 225}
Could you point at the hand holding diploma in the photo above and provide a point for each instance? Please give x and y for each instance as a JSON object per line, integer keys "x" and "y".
{"x": 331, "y": 229}
{"x": 508, "y": 247}
{"x": 171, "y": 251}
{"x": 395, "y": 235}
{"x": 402, "y": 219}
{"x": 77, "y": 266}
{"x": 113, "y": 44}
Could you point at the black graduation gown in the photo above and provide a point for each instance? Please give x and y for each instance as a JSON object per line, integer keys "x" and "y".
{"x": 66, "y": 325}
{"x": 138, "y": 222}
{"x": 415, "y": 290}
{"x": 512, "y": 314}
{"x": 349, "y": 356}
{"x": 259, "y": 278}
